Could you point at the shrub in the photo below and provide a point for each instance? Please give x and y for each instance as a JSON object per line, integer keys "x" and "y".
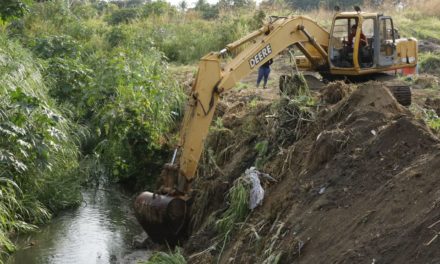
{"x": 69, "y": 77}
{"x": 116, "y": 36}
{"x": 56, "y": 46}
{"x": 125, "y": 15}
{"x": 157, "y": 8}
{"x": 210, "y": 11}
{"x": 429, "y": 62}
{"x": 56, "y": 12}
{"x": 84, "y": 11}
{"x": 12, "y": 9}
{"x": 144, "y": 102}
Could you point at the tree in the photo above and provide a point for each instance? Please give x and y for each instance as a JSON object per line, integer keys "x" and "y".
{"x": 183, "y": 5}
{"x": 201, "y": 4}
{"x": 208, "y": 11}
{"x": 135, "y": 3}
{"x": 243, "y": 3}
{"x": 225, "y": 4}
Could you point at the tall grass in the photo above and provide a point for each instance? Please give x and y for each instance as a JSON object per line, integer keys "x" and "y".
{"x": 38, "y": 155}
{"x": 414, "y": 23}
{"x": 429, "y": 62}
{"x": 238, "y": 207}
{"x": 110, "y": 78}
{"x": 426, "y": 7}
{"x": 175, "y": 257}
{"x": 419, "y": 19}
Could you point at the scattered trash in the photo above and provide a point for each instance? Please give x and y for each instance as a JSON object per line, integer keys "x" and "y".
{"x": 373, "y": 132}
{"x": 257, "y": 192}
{"x": 319, "y": 135}
{"x": 322, "y": 190}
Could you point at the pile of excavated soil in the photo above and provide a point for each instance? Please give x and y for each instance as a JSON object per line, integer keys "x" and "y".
{"x": 361, "y": 186}
{"x": 335, "y": 92}
{"x": 429, "y": 45}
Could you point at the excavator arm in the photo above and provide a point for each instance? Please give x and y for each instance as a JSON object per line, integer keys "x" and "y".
{"x": 164, "y": 214}
{"x": 212, "y": 79}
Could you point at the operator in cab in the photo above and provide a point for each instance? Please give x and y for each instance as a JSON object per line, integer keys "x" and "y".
{"x": 347, "y": 51}
{"x": 350, "y": 42}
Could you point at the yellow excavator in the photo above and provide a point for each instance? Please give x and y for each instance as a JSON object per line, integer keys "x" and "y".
{"x": 359, "y": 44}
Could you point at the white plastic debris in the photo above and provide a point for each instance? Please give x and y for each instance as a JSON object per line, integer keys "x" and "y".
{"x": 257, "y": 192}
{"x": 373, "y": 132}
{"x": 319, "y": 135}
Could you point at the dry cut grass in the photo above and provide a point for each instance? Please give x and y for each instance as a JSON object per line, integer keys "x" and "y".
{"x": 427, "y": 7}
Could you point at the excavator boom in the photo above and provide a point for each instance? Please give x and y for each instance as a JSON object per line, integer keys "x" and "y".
{"x": 212, "y": 79}
{"x": 164, "y": 214}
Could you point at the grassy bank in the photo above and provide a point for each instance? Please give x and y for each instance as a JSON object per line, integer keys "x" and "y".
{"x": 38, "y": 147}
{"x": 82, "y": 99}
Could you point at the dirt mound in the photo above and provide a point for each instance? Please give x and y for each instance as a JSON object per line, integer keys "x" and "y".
{"x": 426, "y": 81}
{"x": 429, "y": 45}
{"x": 335, "y": 92}
{"x": 433, "y": 104}
{"x": 361, "y": 186}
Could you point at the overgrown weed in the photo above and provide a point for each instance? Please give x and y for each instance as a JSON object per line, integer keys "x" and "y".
{"x": 175, "y": 257}
{"x": 238, "y": 207}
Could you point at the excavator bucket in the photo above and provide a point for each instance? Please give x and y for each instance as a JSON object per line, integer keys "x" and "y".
{"x": 163, "y": 217}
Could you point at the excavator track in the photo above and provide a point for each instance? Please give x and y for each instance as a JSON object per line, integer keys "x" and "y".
{"x": 402, "y": 93}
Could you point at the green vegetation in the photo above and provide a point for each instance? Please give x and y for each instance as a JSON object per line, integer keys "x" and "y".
{"x": 38, "y": 150}
{"x": 429, "y": 62}
{"x": 10, "y": 9}
{"x": 175, "y": 257}
{"x": 418, "y": 25}
{"x": 262, "y": 149}
{"x": 110, "y": 79}
{"x": 80, "y": 99}
{"x": 238, "y": 209}
{"x": 432, "y": 119}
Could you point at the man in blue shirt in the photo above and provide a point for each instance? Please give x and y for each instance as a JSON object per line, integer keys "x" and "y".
{"x": 263, "y": 73}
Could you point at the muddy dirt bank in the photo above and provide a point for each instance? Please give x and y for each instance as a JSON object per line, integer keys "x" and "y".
{"x": 356, "y": 182}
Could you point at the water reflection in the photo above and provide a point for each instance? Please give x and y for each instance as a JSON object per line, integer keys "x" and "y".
{"x": 100, "y": 231}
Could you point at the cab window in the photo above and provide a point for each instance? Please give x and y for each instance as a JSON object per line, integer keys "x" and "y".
{"x": 342, "y": 41}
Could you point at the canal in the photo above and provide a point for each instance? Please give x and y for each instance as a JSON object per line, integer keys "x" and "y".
{"x": 102, "y": 230}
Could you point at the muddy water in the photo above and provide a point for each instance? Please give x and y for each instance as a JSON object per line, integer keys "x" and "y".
{"x": 102, "y": 230}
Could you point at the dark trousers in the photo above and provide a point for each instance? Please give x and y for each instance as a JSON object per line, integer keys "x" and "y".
{"x": 263, "y": 72}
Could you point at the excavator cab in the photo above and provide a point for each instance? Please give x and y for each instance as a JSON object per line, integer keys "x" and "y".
{"x": 363, "y": 43}
{"x": 346, "y": 42}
